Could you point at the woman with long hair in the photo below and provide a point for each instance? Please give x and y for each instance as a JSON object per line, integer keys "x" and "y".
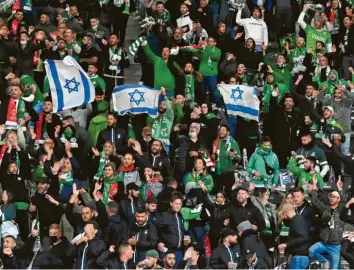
{"x": 284, "y": 230}
{"x": 200, "y": 176}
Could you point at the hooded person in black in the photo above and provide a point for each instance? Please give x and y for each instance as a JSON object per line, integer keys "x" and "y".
{"x": 116, "y": 230}
{"x": 249, "y": 239}
{"x": 45, "y": 259}
{"x": 223, "y": 41}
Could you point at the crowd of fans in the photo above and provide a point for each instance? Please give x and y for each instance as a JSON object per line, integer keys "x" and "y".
{"x": 193, "y": 188}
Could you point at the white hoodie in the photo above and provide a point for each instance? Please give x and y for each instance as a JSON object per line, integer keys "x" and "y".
{"x": 255, "y": 29}
{"x": 185, "y": 21}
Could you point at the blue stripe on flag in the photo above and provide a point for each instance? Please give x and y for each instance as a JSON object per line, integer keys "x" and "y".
{"x": 131, "y": 86}
{"x": 147, "y": 110}
{"x": 59, "y": 89}
{"x": 243, "y": 109}
{"x": 86, "y": 87}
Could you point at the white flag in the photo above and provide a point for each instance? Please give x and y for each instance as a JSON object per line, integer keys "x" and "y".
{"x": 136, "y": 99}
{"x": 69, "y": 84}
{"x": 240, "y": 100}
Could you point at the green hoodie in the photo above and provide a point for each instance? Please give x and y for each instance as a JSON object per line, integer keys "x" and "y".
{"x": 257, "y": 163}
{"x": 97, "y": 124}
{"x": 209, "y": 59}
{"x": 303, "y": 176}
{"x": 28, "y": 80}
{"x": 206, "y": 179}
{"x": 281, "y": 74}
{"x": 332, "y": 85}
{"x": 163, "y": 77}
{"x": 224, "y": 163}
{"x": 267, "y": 91}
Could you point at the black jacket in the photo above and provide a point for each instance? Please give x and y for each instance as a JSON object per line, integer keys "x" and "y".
{"x": 170, "y": 229}
{"x": 237, "y": 214}
{"x": 4, "y": 107}
{"x": 205, "y": 17}
{"x": 116, "y": 231}
{"x": 78, "y": 224}
{"x": 147, "y": 239}
{"x": 127, "y": 208}
{"x": 258, "y": 264}
{"x": 298, "y": 241}
{"x": 159, "y": 163}
{"x": 116, "y": 135}
{"x": 107, "y": 260}
{"x": 64, "y": 251}
{"x": 87, "y": 253}
{"x": 349, "y": 48}
{"x": 250, "y": 240}
{"x": 221, "y": 256}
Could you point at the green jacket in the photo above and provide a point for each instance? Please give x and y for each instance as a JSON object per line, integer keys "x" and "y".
{"x": 190, "y": 214}
{"x": 178, "y": 112}
{"x": 281, "y": 74}
{"x": 97, "y": 124}
{"x": 224, "y": 163}
{"x": 267, "y": 92}
{"x": 98, "y": 82}
{"x": 257, "y": 163}
{"x": 209, "y": 60}
{"x": 163, "y": 77}
{"x": 38, "y": 96}
{"x": 303, "y": 177}
{"x": 206, "y": 179}
{"x": 333, "y": 84}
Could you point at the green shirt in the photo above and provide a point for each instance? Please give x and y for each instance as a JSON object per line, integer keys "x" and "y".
{"x": 313, "y": 35}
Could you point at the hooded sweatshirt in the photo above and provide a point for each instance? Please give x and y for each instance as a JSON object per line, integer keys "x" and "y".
{"x": 332, "y": 84}
{"x": 257, "y": 163}
{"x": 97, "y": 124}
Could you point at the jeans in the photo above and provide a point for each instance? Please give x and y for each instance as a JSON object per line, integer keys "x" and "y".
{"x": 232, "y": 123}
{"x": 333, "y": 251}
{"x": 346, "y": 145}
{"x": 210, "y": 82}
{"x": 299, "y": 262}
{"x": 197, "y": 234}
{"x": 214, "y": 7}
{"x": 231, "y": 32}
{"x": 259, "y": 48}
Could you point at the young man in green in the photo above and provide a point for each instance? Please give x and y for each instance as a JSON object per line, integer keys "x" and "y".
{"x": 73, "y": 46}
{"x": 317, "y": 33}
{"x": 99, "y": 122}
{"x": 264, "y": 165}
{"x": 297, "y": 55}
{"x": 209, "y": 59}
{"x": 226, "y": 154}
{"x": 164, "y": 68}
{"x": 162, "y": 124}
{"x": 306, "y": 175}
{"x": 96, "y": 80}
{"x": 272, "y": 88}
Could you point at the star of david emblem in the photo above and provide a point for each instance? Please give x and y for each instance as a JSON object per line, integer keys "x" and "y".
{"x": 137, "y": 97}
{"x": 72, "y": 85}
{"x": 236, "y": 94}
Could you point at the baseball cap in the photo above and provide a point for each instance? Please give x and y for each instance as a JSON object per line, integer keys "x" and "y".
{"x": 249, "y": 253}
{"x": 286, "y": 207}
{"x": 335, "y": 194}
{"x": 152, "y": 253}
{"x": 226, "y": 232}
{"x": 329, "y": 108}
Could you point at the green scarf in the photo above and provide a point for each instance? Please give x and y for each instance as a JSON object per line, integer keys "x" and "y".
{"x": 107, "y": 184}
{"x": 21, "y": 109}
{"x": 217, "y": 149}
{"x": 65, "y": 179}
{"x": 189, "y": 88}
{"x": 103, "y": 161}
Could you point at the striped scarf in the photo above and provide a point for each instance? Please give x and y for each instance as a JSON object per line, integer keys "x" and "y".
{"x": 133, "y": 49}
{"x": 103, "y": 161}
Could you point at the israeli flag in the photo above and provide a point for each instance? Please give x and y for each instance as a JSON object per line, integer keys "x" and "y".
{"x": 240, "y": 100}
{"x": 136, "y": 99}
{"x": 69, "y": 84}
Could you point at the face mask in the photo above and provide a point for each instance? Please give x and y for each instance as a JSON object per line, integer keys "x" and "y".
{"x": 266, "y": 149}
{"x": 23, "y": 42}
{"x": 53, "y": 239}
{"x": 259, "y": 3}
{"x": 68, "y": 133}
{"x": 193, "y": 134}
